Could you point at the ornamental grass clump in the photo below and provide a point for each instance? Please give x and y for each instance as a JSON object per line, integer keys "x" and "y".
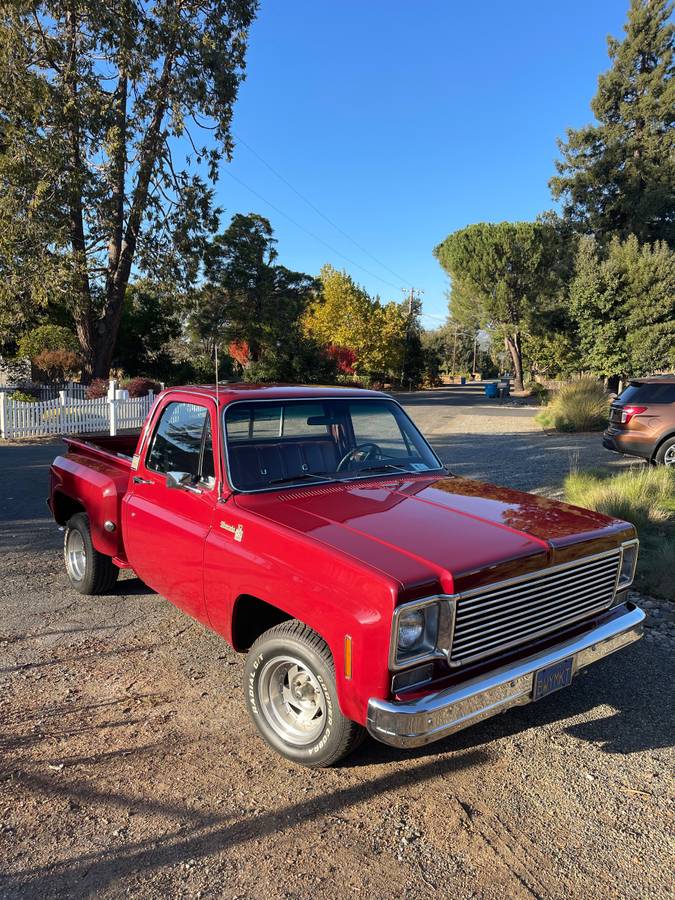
{"x": 644, "y": 496}
{"x": 581, "y": 405}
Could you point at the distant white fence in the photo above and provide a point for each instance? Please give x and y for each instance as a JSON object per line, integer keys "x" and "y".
{"x": 72, "y": 415}
{"x": 53, "y": 390}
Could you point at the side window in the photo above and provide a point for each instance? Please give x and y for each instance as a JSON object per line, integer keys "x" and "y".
{"x": 177, "y": 442}
{"x": 657, "y": 393}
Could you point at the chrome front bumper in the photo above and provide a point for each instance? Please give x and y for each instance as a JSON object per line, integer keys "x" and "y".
{"x": 434, "y": 716}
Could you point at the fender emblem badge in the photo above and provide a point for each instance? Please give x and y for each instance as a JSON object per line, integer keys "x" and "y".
{"x": 238, "y": 532}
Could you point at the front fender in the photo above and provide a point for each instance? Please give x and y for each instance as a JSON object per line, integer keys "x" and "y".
{"x": 331, "y": 593}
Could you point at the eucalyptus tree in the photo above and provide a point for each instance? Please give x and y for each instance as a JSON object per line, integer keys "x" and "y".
{"x": 113, "y": 121}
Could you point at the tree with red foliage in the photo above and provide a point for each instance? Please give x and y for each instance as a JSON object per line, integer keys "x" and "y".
{"x": 344, "y": 358}
{"x": 240, "y": 352}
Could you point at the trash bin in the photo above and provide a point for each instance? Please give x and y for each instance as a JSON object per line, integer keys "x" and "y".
{"x": 491, "y": 390}
{"x": 462, "y": 380}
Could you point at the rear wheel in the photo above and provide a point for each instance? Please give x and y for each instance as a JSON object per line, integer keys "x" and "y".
{"x": 292, "y": 698}
{"x": 89, "y": 571}
{"x": 665, "y": 455}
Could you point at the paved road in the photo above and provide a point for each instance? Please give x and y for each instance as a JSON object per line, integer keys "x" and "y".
{"x": 128, "y": 768}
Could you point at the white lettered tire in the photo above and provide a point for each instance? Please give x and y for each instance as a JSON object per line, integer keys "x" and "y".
{"x": 292, "y": 699}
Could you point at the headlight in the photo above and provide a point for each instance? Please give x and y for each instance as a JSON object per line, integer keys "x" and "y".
{"x": 416, "y": 633}
{"x": 411, "y": 629}
{"x": 628, "y": 563}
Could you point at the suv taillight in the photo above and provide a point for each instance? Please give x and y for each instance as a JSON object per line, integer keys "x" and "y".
{"x": 628, "y": 412}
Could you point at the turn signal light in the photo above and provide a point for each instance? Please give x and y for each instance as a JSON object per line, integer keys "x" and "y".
{"x": 348, "y": 656}
{"x": 628, "y": 412}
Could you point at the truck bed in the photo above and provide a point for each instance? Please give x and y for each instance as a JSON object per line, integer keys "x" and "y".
{"x": 119, "y": 448}
{"x": 93, "y": 477}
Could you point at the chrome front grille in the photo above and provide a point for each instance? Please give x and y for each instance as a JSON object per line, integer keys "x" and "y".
{"x": 490, "y": 620}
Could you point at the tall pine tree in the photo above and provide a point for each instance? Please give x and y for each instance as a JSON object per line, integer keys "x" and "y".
{"x": 102, "y": 169}
{"x": 623, "y": 301}
{"x": 617, "y": 177}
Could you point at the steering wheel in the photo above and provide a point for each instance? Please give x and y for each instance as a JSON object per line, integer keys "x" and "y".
{"x": 369, "y": 450}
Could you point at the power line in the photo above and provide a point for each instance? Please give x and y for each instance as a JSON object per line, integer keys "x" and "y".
{"x": 310, "y": 233}
{"x": 319, "y": 212}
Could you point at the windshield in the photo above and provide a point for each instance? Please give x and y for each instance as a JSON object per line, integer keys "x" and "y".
{"x": 298, "y": 441}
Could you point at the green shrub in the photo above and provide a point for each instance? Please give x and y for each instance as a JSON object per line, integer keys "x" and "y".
{"x": 644, "y": 496}
{"x": 23, "y": 397}
{"x": 537, "y": 391}
{"x": 581, "y": 405}
{"x": 47, "y": 337}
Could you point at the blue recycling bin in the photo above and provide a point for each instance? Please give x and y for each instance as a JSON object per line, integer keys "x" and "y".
{"x": 492, "y": 390}
{"x": 462, "y": 380}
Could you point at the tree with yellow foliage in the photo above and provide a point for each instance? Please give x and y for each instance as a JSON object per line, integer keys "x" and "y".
{"x": 345, "y": 315}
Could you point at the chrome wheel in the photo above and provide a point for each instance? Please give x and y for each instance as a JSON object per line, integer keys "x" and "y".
{"x": 292, "y": 700}
{"x": 669, "y": 456}
{"x": 76, "y": 556}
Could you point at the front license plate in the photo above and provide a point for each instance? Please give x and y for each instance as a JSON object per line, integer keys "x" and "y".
{"x": 553, "y": 678}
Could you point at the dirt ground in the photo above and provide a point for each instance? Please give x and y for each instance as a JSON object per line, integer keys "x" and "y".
{"x": 128, "y": 765}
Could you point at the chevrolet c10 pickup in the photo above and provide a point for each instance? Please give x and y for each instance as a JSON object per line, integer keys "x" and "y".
{"x": 372, "y": 590}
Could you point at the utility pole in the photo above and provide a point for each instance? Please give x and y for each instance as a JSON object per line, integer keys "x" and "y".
{"x": 413, "y": 295}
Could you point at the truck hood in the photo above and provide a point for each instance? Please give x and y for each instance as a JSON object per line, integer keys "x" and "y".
{"x": 452, "y": 533}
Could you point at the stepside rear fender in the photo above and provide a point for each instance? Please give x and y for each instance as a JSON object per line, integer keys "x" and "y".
{"x": 97, "y": 487}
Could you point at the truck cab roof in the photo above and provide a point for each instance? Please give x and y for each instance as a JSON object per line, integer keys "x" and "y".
{"x": 229, "y": 391}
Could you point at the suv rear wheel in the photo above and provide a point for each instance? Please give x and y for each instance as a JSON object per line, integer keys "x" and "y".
{"x": 665, "y": 455}
{"x": 292, "y": 698}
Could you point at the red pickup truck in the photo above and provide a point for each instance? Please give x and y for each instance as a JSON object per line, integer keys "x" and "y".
{"x": 317, "y": 531}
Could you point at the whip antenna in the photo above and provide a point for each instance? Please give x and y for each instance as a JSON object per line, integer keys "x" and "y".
{"x": 217, "y": 435}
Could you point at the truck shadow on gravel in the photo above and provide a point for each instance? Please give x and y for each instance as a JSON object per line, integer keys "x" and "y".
{"x": 205, "y": 834}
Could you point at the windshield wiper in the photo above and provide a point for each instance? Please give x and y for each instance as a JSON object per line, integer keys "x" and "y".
{"x": 320, "y": 476}
{"x": 388, "y": 467}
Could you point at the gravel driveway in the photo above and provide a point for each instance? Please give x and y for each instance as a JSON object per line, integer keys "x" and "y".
{"x": 502, "y": 443}
{"x": 128, "y": 765}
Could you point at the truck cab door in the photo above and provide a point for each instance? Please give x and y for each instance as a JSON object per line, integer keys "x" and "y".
{"x": 168, "y": 509}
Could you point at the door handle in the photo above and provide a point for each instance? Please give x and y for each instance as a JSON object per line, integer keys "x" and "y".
{"x": 139, "y": 480}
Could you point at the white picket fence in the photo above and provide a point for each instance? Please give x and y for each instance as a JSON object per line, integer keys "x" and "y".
{"x": 71, "y": 415}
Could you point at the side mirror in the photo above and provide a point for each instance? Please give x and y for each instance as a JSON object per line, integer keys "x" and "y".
{"x": 181, "y": 481}
{"x": 177, "y": 480}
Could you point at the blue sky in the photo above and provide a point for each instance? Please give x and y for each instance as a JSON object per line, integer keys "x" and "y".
{"x": 403, "y": 121}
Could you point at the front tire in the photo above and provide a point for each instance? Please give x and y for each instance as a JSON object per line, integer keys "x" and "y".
{"x": 665, "y": 455}
{"x": 89, "y": 571}
{"x": 292, "y": 698}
